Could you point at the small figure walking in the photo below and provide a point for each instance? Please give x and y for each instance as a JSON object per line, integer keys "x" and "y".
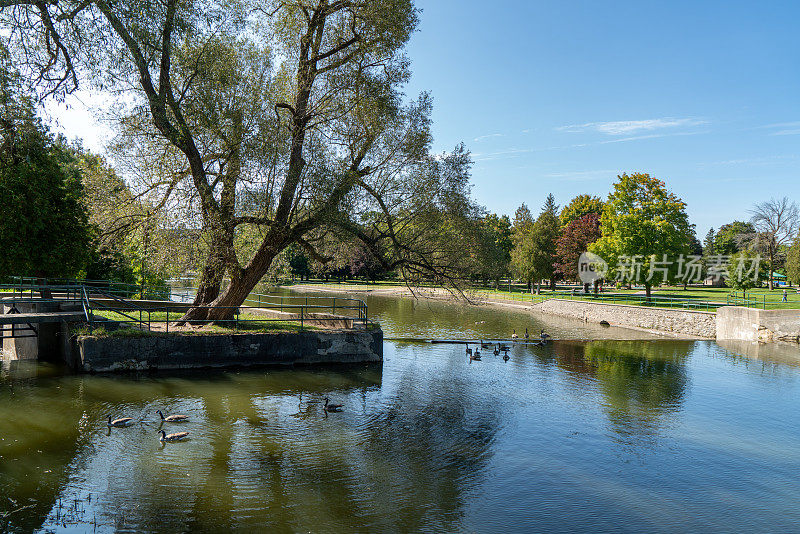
{"x": 784, "y": 299}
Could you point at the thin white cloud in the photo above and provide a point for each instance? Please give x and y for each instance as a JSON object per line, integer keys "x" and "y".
{"x": 630, "y": 127}
{"x": 518, "y": 152}
{"x": 795, "y": 131}
{"x": 760, "y": 160}
{"x": 650, "y": 136}
{"x": 791, "y": 124}
{"x": 489, "y": 136}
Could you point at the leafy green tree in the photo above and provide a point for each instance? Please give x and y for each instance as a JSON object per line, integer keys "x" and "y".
{"x": 793, "y": 261}
{"x": 745, "y": 271}
{"x": 492, "y": 251}
{"x": 45, "y": 230}
{"x": 298, "y": 262}
{"x": 579, "y": 206}
{"x": 733, "y": 237}
{"x": 643, "y": 219}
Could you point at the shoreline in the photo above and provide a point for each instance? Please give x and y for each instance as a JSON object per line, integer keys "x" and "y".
{"x": 532, "y": 308}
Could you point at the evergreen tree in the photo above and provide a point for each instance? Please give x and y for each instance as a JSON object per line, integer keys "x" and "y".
{"x": 545, "y": 233}
{"x": 45, "y": 230}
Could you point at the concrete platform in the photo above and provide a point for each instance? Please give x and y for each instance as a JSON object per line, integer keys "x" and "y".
{"x": 177, "y": 351}
{"x": 44, "y": 317}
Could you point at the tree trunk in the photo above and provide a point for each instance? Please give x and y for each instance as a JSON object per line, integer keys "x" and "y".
{"x": 224, "y": 308}
{"x": 213, "y": 272}
{"x": 553, "y": 283}
{"x": 647, "y": 287}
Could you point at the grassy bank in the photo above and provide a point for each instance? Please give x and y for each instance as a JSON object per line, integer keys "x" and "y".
{"x": 702, "y": 298}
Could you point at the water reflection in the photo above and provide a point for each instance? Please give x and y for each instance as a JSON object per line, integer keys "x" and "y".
{"x": 643, "y": 384}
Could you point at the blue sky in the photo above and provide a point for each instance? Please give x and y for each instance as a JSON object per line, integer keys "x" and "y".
{"x": 562, "y": 96}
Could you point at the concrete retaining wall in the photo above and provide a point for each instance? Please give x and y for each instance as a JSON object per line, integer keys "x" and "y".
{"x": 166, "y": 352}
{"x": 662, "y": 320}
{"x": 749, "y": 324}
{"x": 47, "y": 342}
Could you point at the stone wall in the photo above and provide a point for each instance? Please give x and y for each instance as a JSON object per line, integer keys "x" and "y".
{"x": 679, "y": 323}
{"x": 164, "y": 352}
{"x": 750, "y": 324}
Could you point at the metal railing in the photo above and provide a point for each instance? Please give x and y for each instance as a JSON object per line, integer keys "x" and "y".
{"x": 764, "y": 301}
{"x": 162, "y": 318}
{"x": 259, "y": 311}
{"x": 109, "y": 287}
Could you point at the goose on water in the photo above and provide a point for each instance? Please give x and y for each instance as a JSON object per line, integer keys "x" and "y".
{"x": 544, "y": 336}
{"x": 332, "y": 407}
{"x": 514, "y": 335}
{"x": 526, "y": 334}
{"x": 121, "y": 422}
{"x": 177, "y": 418}
{"x": 469, "y": 350}
{"x": 177, "y": 436}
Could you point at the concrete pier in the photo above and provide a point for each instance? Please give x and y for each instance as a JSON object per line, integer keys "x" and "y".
{"x": 750, "y": 324}
{"x": 176, "y": 351}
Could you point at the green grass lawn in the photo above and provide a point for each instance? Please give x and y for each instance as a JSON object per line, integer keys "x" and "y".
{"x": 691, "y": 298}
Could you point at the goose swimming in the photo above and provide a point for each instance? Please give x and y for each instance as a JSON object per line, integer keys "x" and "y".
{"x": 121, "y": 422}
{"x": 177, "y": 418}
{"x": 332, "y": 407}
{"x": 177, "y": 436}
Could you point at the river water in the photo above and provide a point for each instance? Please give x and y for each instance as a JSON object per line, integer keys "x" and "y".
{"x": 604, "y": 435}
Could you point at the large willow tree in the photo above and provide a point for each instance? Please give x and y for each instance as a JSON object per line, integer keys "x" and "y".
{"x": 287, "y": 116}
